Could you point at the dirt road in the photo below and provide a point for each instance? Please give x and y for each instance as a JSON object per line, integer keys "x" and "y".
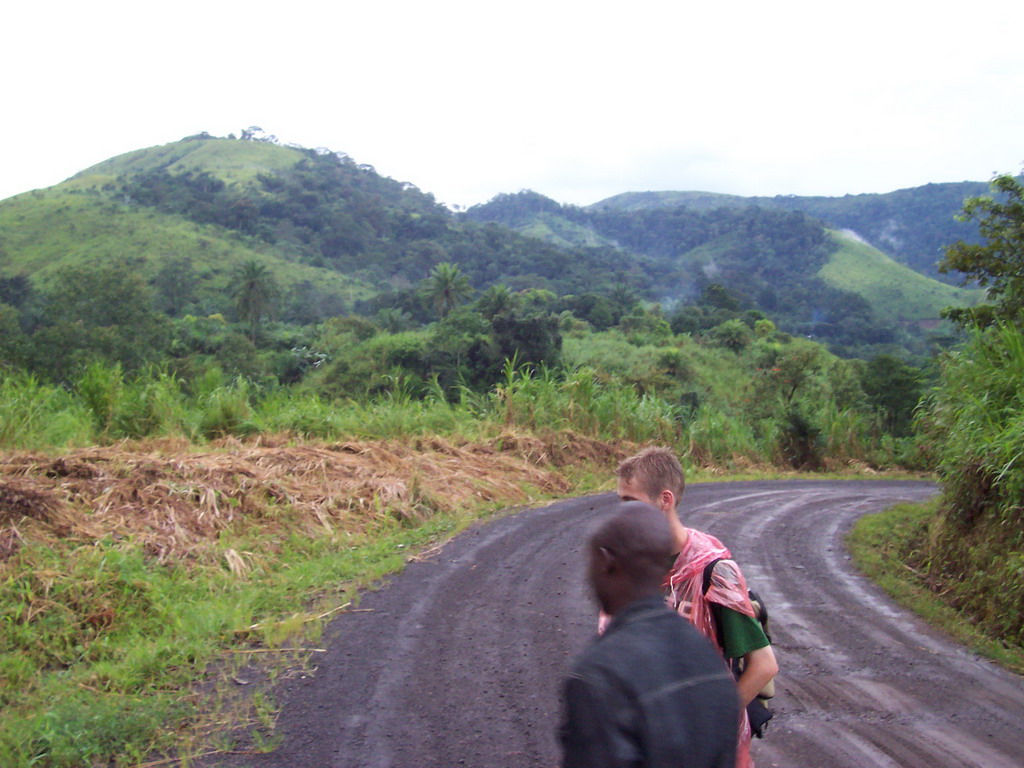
{"x": 460, "y": 661}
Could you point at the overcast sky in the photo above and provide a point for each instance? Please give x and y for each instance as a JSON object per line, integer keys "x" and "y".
{"x": 576, "y": 100}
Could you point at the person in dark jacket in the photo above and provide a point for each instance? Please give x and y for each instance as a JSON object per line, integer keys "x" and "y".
{"x": 650, "y": 691}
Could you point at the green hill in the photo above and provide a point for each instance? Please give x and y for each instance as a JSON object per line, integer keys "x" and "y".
{"x": 235, "y": 162}
{"x": 43, "y": 232}
{"x": 812, "y": 281}
{"x": 897, "y": 293}
{"x": 695, "y": 201}
{"x": 910, "y": 225}
{"x": 319, "y": 221}
{"x": 87, "y": 220}
{"x": 562, "y": 232}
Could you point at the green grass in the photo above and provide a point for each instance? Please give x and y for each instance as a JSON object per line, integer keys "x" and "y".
{"x": 896, "y": 293}
{"x": 562, "y": 232}
{"x": 694, "y": 397}
{"x": 105, "y": 406}
{"x": 227, "y": 159}
{"x": 42, "y": 233}
{"x": 101, "y": 645}
{"x": 696, "y": 201}
{"x": 885, "y": 545}
{"x": 36, "y": 415}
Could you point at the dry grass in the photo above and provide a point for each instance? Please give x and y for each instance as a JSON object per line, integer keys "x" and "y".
{"x": 175, "y": 501}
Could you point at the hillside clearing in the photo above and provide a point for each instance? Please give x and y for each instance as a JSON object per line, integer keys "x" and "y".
{"x": 897, "y": 293}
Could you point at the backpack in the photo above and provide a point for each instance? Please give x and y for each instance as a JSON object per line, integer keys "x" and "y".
{"x": 757, "y": 710}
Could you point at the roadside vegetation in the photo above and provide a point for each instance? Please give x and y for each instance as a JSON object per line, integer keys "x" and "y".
{"x": 963, "y": 558}
{"x": 891, "y": 548}
{"x": 146, "y": 584}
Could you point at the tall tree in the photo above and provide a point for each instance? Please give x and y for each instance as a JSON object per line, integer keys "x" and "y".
{"x": 894, "y": 388}
{"x": 393, "y": 319}
{"x": 998, "y": 263}
{"x": 447, "y": 287}
{"x": 623, "y": 296}
{"x": 255, "y": 292}
{"x": 175, "y": 285}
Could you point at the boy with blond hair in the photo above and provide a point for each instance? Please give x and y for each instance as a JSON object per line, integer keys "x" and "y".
{"x": 655, "y": 476}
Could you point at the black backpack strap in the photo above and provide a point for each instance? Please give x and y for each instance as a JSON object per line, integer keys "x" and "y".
{"x": 708, "y": 569}
{"x": 716, "y": 609}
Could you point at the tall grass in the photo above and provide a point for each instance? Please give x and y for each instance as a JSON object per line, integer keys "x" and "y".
{"x": 543, "y": 399}
{"x": 34, "y": 415}
{"x": 974, "y": 423}
{"x": 105, "y": 405}
{"x": 849, "y": 432}
{"x": 156, "y": 405}
{"x": 716, "y": 437}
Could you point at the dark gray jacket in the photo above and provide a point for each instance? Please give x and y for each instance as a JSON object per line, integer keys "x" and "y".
{"x": 650, "y": 692}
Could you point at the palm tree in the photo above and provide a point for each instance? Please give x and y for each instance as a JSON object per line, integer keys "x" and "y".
{"x": 495, "y": 300}
{"x": 254, "y": 290}
{"x": 446, "y": 287}
{"x": 623, "y": 296}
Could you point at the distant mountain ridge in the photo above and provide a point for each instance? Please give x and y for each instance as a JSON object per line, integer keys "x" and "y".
{"x": 911, "y": 225}
{"x": 822, "y": 280}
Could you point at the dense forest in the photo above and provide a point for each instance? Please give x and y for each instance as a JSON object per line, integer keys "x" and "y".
{"x": 327, "y": 211}
{"x": 914, "y": 226}
{"x": 768, "y": 259}
{"x": 341, "y": 239}
{"x": 772, "y": 260}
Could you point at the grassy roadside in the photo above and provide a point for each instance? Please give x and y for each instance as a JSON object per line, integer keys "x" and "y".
{"x": 883, "y": 546}
{"x": 152, "y": 594}
{"x": 110, "y": 675}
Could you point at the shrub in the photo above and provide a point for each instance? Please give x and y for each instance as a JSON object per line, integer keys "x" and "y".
{"x": 226, "y": 411}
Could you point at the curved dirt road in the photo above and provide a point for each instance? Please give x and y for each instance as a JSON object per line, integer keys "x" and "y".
{"x": 460, "y": 661}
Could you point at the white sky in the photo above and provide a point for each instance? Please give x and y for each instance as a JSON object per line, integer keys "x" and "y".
{"x": 576, "y": 100}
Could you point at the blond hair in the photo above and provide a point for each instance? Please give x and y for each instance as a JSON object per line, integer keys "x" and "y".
{"x": 654, "y": 470}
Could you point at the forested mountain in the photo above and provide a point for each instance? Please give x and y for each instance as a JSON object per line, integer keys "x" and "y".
{"x": 787, "y": 264}
{"x": 333, "y": 232}
{"x": 234, "y": 252}
{"x": 337, "y": 238}
{"x": 910, "y": 225}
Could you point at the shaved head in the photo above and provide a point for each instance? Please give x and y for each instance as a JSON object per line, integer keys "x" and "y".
{"x": 630, "y": 554}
